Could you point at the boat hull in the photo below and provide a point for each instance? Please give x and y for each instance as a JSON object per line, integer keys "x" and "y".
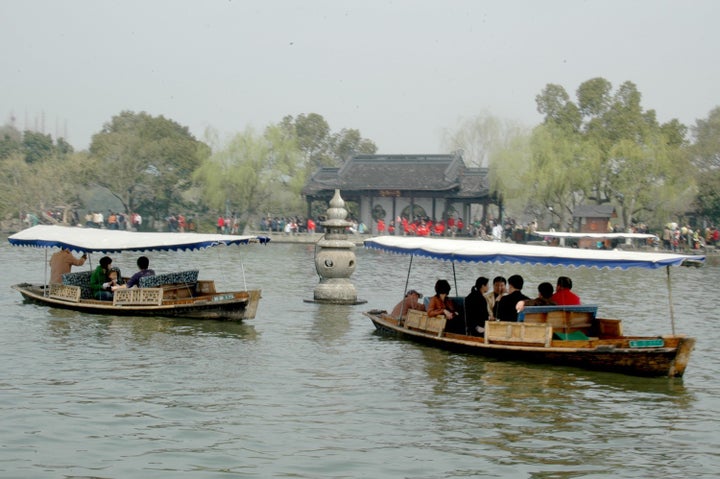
{"x": 243, "y": 305}
{"x": 667, "y": 361}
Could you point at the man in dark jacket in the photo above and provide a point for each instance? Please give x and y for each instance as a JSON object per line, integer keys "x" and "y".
{"x": 507, "y": 309}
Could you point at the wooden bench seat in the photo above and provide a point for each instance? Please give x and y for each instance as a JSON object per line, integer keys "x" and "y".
{"x": 563, "y": 319}
{"x": 507, "y": 332}
{"x": 65, "y": 292}
{"x": 138, "y": 297}
{"x": 419, "y": 320}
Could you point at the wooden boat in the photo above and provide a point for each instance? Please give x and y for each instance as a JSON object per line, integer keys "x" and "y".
{"x": 564, "y": 335}
{"x": 180, "y": 294}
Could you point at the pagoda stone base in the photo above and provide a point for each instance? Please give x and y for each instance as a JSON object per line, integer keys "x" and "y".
{"x": 336, "y": 291}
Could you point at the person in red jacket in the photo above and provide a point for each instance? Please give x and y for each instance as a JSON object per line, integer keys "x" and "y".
{"x": 380, "y": 226}
{"x": 563, "y": 294}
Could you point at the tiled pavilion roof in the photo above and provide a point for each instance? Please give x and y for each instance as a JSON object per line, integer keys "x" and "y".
{"x": 417, "y": 173}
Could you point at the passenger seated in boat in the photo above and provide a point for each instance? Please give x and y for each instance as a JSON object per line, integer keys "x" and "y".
{"x": 476, "y": 307}
{"x": 409, "y": 302}
{"x": 493, "y": 297}
{"x": 545, "y": 292}
{"x": 441, "y": 305}
{"x": 143, "y": 264}
{"x": 116, "y": 275}
{"x": 100, "y": 282}
{"x": 563, "y": 294}
{"x": 507, "y": 308}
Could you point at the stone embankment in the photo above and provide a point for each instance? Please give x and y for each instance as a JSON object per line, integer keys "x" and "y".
{"x": 305, "y": 238}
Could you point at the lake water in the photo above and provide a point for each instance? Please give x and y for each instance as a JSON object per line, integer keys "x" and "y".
{"x": 311, "y": 391}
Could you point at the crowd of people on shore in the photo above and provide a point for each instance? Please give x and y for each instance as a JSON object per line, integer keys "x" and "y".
{"x": 488, "y": 229}
{"x": 683, "y": 238}
{"x": 114, "y": 220}
{"x": 505, "y": 302}
{"x": 117, "y": 220}
{"x": 290, "y": 225}
{"x": 420, "y": 226}
{"x": 674, "y": 236}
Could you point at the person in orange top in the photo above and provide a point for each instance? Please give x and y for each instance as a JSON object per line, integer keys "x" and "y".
{"x": 440, "y": 304}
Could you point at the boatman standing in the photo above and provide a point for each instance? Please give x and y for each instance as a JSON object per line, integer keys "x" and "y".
{"x": 61, "y": 262}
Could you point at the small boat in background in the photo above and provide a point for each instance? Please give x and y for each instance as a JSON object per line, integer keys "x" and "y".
{"x": 565, "y": 335}
{"x": 599, "y": 240}
{"x": 178, "y": 294}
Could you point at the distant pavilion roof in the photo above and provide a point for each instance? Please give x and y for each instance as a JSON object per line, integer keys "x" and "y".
{"x": 594, "y": 211}
{"x": 431, "y": 173}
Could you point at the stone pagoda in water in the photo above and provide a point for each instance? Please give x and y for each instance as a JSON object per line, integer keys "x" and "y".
{"x": 335, "y": 258}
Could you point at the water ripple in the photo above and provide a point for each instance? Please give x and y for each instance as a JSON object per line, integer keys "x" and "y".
{"x": 310, "y": 391}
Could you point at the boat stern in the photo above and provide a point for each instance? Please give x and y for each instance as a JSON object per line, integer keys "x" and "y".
{"x": 682, "y": 357}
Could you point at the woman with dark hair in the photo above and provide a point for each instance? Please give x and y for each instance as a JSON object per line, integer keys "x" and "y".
{"x": 441, "y": 305}
{"x": 100, "y": 281}
{"x": 476, "y": 308}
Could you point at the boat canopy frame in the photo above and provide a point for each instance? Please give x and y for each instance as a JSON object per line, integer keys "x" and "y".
{"x": 479, "y": 251}
{"x": 96, "y": 240}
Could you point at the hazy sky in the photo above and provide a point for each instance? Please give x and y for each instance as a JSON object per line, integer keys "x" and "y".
{"x": 401, "y": 72}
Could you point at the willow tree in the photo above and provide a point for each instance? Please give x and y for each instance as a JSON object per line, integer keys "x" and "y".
{"x": 625, "y": 154}
{"x": 482, "y": 136}
{"x": 706, "y": 147}
{"x": 507, "y": 173}
{"x": 705, "y": 152}
{"x": 252, "y": 175}
{"x": 556, "y": 179}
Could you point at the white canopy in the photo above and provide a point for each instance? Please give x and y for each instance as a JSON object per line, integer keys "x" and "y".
{"x": 92, "y": 240}
{"x": 562, "y": 234}
{"x": 501, "y": 252}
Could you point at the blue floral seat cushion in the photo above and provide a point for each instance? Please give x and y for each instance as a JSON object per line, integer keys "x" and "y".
{"x": 181, "y": 277}
{"x": 81, "y": 279}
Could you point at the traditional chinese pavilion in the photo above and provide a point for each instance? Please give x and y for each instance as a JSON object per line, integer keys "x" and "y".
{"x": 411, "y": 186}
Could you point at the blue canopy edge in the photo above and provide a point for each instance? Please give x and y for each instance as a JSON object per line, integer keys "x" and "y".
{"x": 478, "y": 251}
{"x": 92, "y": 240}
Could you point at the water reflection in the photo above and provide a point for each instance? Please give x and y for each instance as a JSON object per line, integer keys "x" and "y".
{"x": 64, "y": 323}
{"x": 311, "y": 391}
{"x": 331, "y": 322}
